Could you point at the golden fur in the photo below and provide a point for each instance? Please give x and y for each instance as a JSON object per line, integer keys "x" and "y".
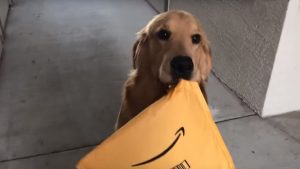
{"x": 151, "y": 75}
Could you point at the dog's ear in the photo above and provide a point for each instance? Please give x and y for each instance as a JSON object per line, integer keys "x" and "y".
{"x": 137, "y": 47}
{"x": 134, "y": 52}
{"x": 205, "y": 61}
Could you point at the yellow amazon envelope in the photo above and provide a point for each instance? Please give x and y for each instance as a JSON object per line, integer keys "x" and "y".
{"x": 175, "y": 132}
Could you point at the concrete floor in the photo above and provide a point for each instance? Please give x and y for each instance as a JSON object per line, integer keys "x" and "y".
{"x": 60, "y": 82}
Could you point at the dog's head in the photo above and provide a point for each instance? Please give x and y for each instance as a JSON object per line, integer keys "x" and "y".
{"x": 172, "y": 46}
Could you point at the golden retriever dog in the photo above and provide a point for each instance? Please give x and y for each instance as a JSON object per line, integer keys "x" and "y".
{"x": 172, "y": 46}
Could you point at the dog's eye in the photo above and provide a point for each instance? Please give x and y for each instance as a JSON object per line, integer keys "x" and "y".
{"x": 164, "y": 34}
{"x": 196, "y": 39}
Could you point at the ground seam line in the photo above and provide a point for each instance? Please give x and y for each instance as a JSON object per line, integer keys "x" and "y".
{"x": 93, "y": 145}
{"x": 236, "y": 118}
{"x": 49, "y": 153}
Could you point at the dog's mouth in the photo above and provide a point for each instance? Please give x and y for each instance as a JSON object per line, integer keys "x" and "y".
{"x": 172, "y": 79}
{"x": 172, "y": 84}
{"x": 175, "y": 80}
{"x": 176, "y": 76}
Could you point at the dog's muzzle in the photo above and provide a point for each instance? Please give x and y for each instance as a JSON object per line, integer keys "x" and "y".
{"x": 182, "y": 67}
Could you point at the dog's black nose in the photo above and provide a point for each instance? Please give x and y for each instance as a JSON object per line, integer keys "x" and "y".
{"x": 182, "y": 67}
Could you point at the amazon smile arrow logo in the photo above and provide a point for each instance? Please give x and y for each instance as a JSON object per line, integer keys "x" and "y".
{"x": 179, "y": 132}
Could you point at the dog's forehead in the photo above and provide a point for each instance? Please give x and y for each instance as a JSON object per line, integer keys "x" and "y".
{"x": 187, "y": 23}
{"x": 177, "y": 21}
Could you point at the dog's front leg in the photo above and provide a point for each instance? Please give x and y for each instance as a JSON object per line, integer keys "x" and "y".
{"x": 125, "y": 113}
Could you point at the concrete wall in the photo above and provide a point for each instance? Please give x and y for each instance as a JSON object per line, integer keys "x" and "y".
{"x": 244, "y": 37}
{"x": 157, "y": 5}
{"x": 1, "y": 46}
{"x": 284, "y": 88}
{"x": 3, "y": 15}
{"x": 3, "y": 11}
